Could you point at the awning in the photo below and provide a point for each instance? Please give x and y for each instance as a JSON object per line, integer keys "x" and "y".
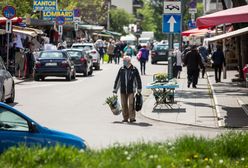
{"x": 14, "y": 20}
{"x": 112, "y": 33}
{"x": 26, "y": 32}
{"x": 91, "y": 27}
{"x": 37, "y": 31}
{"x": 228, "y": 35}
{"x": 233, "y": 15}
{"x": 195, "y": 31}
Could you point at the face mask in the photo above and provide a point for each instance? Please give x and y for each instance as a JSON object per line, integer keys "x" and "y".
{"x": 125, "y": 63}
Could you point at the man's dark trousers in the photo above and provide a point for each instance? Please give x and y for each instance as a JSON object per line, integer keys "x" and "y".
{"x": 193, "y": 76}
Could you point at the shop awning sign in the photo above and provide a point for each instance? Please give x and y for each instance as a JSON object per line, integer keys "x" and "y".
{"x": 51, "y": 15}
{"x": 44, "y": 5}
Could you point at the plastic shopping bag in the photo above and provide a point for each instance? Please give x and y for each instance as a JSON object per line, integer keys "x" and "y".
{"x": 106, "y": 58}
{"x": 114, "y": 105}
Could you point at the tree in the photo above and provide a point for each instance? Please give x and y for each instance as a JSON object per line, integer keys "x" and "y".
{"x": 120, "y": 18}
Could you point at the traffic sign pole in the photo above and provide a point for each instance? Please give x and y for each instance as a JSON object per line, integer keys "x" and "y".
{"x": 8, "y": 31}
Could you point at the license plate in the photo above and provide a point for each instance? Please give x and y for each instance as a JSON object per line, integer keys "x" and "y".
{"x": 161, "y": 53}
{"x": 51, "y": 64}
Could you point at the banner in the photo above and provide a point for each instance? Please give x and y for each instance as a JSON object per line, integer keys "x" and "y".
{"x": 44, "y": 5}
{"x": 51, "y": 15}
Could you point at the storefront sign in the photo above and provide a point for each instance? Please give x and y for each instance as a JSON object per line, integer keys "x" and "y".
{"x": 51, "y": 15}
{"x": 47, "y": 5}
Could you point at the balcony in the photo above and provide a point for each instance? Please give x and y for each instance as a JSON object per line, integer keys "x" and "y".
{"x": 138, "y": 4}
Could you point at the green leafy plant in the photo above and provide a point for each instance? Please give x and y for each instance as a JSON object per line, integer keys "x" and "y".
{"x": 160, "y": 77}
{"x": 111, "y": 100}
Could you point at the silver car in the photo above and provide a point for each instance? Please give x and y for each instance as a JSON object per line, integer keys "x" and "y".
{"x": 7, "y": 84}
{"x": 91, "y": 50}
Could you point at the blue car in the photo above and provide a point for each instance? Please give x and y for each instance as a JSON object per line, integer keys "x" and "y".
{"x": 18, "y": 129}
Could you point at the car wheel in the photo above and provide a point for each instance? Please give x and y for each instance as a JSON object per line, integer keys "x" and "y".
{"x": 91, "y": 70}
{"x": 2, "y": 96}
{"x": 36, "y": 78}
{"x": 68, "y": 77}
{"x": 12, "y": 97}
{"x": 98, "y": 67}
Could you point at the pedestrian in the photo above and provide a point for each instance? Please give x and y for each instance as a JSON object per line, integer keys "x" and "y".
{"x": 178, "y": 63}
{"x": 110, "y": 51}
{"x": 129, "y": 81}
{"x": 143, "y": 59}
{"x": 204, "y": 56}
{"x": 193, "y": 62}
{"x": 117, "y": 53}
{"x": 218, "y": 62}
{"x": 128, "y": 51}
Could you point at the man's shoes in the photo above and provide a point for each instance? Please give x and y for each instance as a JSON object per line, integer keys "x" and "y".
{"x": 188, "y": 85}
{"x": 132, "y": 120}
{"x": 124, "y": 120}
{"x": 194, "y": 86}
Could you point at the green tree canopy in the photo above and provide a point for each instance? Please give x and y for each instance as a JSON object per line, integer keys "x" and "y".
{"x": 120, "y": 18}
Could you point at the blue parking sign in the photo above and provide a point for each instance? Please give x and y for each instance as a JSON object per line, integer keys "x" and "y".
{"x": 9, "y": 12}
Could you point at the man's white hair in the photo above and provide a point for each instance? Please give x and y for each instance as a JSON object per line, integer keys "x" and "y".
{"x": 127, "y": 58}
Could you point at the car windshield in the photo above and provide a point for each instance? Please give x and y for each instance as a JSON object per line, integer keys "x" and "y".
{"x": 161, "y": 47}
{"x": 52, "y": 55}
{"x": 75, "y": 53}
{"x": 84, "y": 47}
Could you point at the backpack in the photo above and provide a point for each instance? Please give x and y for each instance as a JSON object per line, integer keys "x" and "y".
{"x": 138, "y": 101}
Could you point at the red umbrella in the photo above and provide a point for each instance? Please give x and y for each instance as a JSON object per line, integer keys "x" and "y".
{"x": 232, "y": 15}
{"x": 195, "y": 31}
{"x": 15, "y": 20}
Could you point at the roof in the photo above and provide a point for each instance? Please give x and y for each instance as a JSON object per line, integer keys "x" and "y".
{"x": 228, "y": 35}
{"x": 232, "y": 15}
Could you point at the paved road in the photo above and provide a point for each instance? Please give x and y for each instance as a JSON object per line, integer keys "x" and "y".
{"x": 78, "y": 107}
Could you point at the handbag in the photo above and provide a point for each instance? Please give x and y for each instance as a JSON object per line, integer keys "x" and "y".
{"x": 139, "y": 55}
{"x": 106, "y": 58}
{"x": 138, "y": 101}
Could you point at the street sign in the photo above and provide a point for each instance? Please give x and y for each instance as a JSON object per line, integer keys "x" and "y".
{"x": 60, "y": 30}
{"x": 171, "y": 23}
{"x": 191, "y": 24}
{"x": 172, "y": 7}
{"x": 9, "y": 12}
{"x": 44, "y": 5}
{"x": 192, "y": 10}
{"x": 60, "y": 20}
{"x": 76, "y": 26}
{"x": 51, "y": 15}
{"x": 76, "y": 15}
{"x": 8, "y": 26}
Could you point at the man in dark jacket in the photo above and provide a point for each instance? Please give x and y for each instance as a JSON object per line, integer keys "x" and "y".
{"x": 193, "y": 62}
{"x": 128, "y": 80}
{"x": 219, "y": 61}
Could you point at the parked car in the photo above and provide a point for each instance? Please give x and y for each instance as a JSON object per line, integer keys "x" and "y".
{"x": 159, "y": 53}
{"x": 54, "y": 63}
{"x": 91, "y": 50}
{"x": 82, "y": 61}
{"x": 18, "y": 129}
{"x": 7, "y": 84}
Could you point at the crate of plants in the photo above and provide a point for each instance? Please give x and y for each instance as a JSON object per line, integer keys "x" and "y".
{"x": 114, "y": 104}
{"x": 160, "y": 78}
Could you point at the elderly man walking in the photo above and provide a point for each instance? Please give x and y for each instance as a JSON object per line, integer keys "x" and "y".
{"x": 128, "y": 80}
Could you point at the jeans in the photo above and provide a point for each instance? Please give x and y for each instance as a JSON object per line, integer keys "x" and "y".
{"x": 143, "y": 67}
{"x": 217, "y": 70}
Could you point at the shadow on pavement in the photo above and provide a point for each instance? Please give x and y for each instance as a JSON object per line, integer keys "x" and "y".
{"x": 168, "y": 110}
{"x": 199, "y": 104}
{"x": 236, "y": 117}
{"x": 14, "y": 104}
{"x": 141, "y": 124}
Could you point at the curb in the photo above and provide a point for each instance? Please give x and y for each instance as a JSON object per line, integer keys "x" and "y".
{"x": 243, "y": 105}
{"x": 171, "y": 122}
{"x": 216, "y": 104}
{"x": 21, "y": 81}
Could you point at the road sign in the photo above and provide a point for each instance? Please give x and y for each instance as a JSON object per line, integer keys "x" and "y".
{"x": 9, "y": 12}
{"x": 171, "y": 23}
{"x": 76, "y": 26}
{"x": 8, "y": 26}
{"x": 76, "y": 15}
{"x": 60, "y": 30}
{"x": 192, "y": 10}
{"x": 191, "y": 24}
{"x": 172, "y": 7}
{"x": 60, "y": 20}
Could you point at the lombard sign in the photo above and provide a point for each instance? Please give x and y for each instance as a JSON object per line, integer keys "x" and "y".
{"x": 44, "y": 5}
{"x": 51, "y": 15}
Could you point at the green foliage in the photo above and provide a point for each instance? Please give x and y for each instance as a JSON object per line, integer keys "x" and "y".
{"x": 225, "y": 151}
{"x": 148, "y": 13}
{"x": 120, "y": 18}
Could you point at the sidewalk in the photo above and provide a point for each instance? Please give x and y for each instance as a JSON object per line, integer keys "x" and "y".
{"x": 231, "y": 99}
{"x": 193, "y": 107}
{"x": 212, "y": 104}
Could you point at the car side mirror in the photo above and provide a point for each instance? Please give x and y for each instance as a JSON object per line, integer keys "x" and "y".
{"x": 33, "y": 128}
